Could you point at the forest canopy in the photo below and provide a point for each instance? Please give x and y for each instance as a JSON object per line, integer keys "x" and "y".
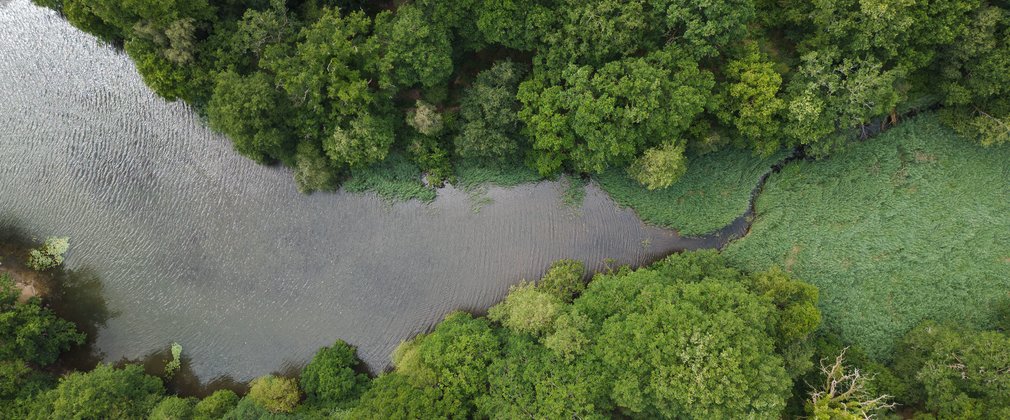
{"x": 329, "y": 87}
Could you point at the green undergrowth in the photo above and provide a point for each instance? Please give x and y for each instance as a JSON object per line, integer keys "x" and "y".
{"x": 911, "y": 225}
{"x": 715, "y": 190}
{"x": 396, "y": 178}
{"x": 473, "y": 174}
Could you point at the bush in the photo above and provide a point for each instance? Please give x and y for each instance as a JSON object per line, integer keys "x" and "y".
{"x": 564, "y": 279}
{"x": 49, "y": 255}
{"x": 105, "y": 392}
{"x": 216, "y": 405}
{"x": 173, "y": 408}
{"x": 329, "y": 379}
{"x": 274, "y": 393}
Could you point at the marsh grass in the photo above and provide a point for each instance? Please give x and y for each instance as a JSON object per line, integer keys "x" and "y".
{"x": 473, "y": 174}
{"x": 911, "y": 225}
{"x": 396, "y": 178}
{"x": 715, "y": 190}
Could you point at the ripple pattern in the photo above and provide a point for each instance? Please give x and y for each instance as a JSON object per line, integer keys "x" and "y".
{"x": 199, "y": 245}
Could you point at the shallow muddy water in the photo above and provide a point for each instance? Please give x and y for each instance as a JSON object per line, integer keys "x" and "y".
{"x": 198, "y": 245}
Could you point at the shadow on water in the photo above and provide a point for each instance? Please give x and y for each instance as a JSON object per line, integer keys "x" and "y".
{"x": 77, "y": 296}
{"x": 184, "y": 381}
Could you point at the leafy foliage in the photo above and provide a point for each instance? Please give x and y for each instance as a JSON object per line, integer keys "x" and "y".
{"x": 274, "y": 393}
{"x": 30, "y": 332}
{"x": 105, "y": 392}
{"x": 49, "y": 255}
{"x": 330, "y": 379}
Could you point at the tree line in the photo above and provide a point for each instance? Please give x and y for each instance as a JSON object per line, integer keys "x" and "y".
{"x": 688, "y": 337}
{"x": 327, "y": 86}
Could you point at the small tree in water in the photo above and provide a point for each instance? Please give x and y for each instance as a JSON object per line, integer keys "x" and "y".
{"x": 49, "y": 255}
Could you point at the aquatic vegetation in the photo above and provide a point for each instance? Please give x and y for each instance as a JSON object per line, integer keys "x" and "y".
{"x": 908, "y": 226}
{"x": 715, "y": 190}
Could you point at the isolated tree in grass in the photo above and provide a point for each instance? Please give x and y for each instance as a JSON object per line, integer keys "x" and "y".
{"x": 274, "y": 393}
{"x": 659, "y": 167}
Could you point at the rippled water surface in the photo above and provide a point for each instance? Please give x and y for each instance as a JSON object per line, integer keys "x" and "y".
{"x": 198, "y": 245}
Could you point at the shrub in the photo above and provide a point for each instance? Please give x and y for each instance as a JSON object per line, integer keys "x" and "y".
{"x": 330, "y": 379}
{"x": 274, "y": 393}
{"x": 564, "y": 279}
{"x": 173, "y": 408}
{"x": 49, "y": 255}
{"x": 216, "y": 405}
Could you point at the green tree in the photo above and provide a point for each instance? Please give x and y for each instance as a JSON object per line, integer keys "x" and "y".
{"x": 527, "y": 310}
{"x": 488, "y": 112}
{"x": 30, "y": 332}
{"x": 326, "y": 76}
{"x": 103, "y": 393}
{"x": 366, "y": 141}
{"x": 173, "y": 408}
{"x": 329, "y": 379}
{"x": 313, "y": 170}
{"x": 750, "y": 102}
{"x": 216, "y": 405}
{"x": 976, "y": 78}
{"x": 685, "y": 339}
{"x": 452, "y": 359}
{"x": 394, "y": 396}
{"x": 659, "y": 167}
{"x": 564, "y": 279}
{"x": 246, "y": 109}
{"x": 529, "y": 381}
{"x": 831, "y": 93}
{"x": 593, "y": 119}
{"x": 956, "y": 373}
{"x": 415, "y": 49}
{"x": 49, "y": 255}
{"x": 274, "y": 393}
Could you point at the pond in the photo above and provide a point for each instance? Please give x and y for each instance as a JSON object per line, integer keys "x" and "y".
{"x": 198, "y": 245}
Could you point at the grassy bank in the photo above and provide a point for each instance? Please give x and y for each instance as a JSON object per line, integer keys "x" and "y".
{"x": 714, "y": 191}
{"x": 913, "y": 224}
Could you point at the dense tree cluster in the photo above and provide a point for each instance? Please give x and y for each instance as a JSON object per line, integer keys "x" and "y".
{"x": 688, "y": 337}
{"x": 327, "y": 86}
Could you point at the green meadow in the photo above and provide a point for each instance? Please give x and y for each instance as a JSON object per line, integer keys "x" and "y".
{"x": 913, "y": 224}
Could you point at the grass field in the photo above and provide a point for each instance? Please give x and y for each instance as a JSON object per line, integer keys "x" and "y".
{"x": 714, "y": 191}
{"x": 913, "y": 224}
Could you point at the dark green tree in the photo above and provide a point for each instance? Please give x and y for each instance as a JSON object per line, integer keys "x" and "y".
{"x": 329, "y": 379}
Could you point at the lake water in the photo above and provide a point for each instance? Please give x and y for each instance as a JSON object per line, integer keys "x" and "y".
{"x": 198, "y": 245}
